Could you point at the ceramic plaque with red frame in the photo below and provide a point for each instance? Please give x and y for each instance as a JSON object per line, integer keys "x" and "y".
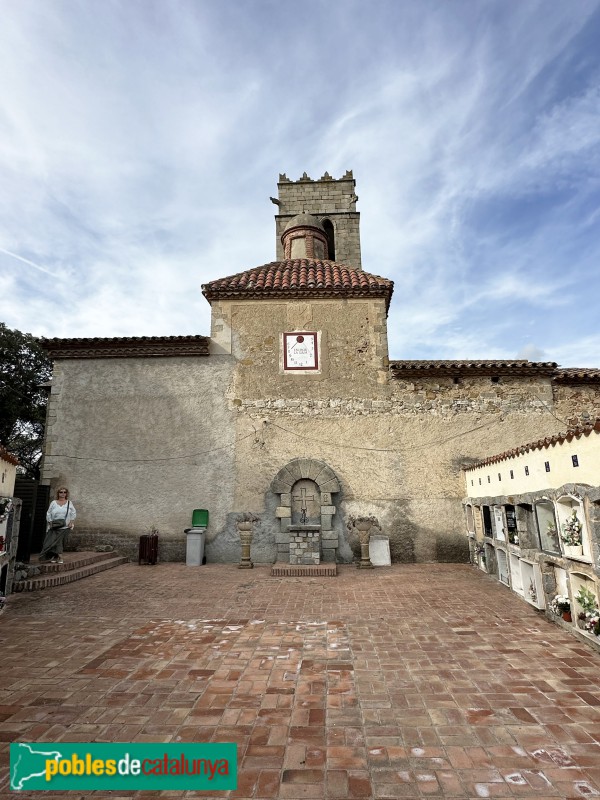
{"x": 300, "y": 350}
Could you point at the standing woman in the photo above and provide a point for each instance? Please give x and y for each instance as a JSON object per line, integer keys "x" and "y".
{"x": 60, "y": 518}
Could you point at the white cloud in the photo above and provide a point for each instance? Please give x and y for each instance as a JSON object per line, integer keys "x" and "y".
{"x": 140, "y": 144}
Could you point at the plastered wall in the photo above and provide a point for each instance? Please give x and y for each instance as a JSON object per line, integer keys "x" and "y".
{"x": 576, "y": 461}
{"x": 142, "y": 442}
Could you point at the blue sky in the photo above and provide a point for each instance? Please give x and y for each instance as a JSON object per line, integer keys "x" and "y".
{"x": 140, "y": 142}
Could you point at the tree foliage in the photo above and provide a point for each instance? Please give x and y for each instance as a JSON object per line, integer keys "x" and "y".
{"x": 24, "y": 368}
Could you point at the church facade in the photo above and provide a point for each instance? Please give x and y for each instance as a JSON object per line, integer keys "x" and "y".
{"x": 290, "y": 410}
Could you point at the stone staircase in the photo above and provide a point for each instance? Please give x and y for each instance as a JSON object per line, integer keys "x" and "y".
{"x": 75, "y": 567}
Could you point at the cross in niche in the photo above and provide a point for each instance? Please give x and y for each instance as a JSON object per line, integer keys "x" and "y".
{"x": 303, "y": 497}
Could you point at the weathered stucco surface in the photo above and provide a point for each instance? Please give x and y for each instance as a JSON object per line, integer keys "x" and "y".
{"x": 142, "y": 442}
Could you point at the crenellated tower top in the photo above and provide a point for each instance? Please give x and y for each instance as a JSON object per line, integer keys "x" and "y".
{"x": 332, "y": 202}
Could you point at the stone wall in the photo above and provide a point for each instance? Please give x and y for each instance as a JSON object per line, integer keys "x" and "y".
{"x": 141, "y": 442}
{"x": 402, "y": 466}
{"x": 327, "y": 198}
{"x": 353, "y": 348}
{"x": 397, "y": 457}
{"x": 580, "y": 400}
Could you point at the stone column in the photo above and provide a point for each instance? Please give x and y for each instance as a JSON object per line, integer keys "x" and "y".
{"x": 364, "y": 535}
{"x": 245, "y": 529}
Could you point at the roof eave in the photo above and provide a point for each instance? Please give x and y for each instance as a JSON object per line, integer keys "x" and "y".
{"x": 127, "y": 347}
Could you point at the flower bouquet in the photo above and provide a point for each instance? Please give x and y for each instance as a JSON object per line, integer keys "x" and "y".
{"x": 559, "y": 604}
{"x": 591, "y": 622}
{"x": 552, "y": 533}
{"x": 571, "y": 531}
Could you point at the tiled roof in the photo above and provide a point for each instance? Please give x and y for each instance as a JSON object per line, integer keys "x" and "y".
{"x": 300, "y": 277}
{"x": 575, "y": 431}
{"x": 575, "y": 375}
{"x": 402, "y": 369}
{"x": 127, "y": 347}
{"x": 9, "y": 457}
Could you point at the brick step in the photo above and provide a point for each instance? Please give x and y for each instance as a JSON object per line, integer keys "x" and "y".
{"x": 71, "y": 561}
{"x": 69, "y": 575}
{"x": 304, "y": 570}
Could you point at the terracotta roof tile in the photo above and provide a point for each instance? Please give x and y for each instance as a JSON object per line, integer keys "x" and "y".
{"x": 9, "y": 457}
{"x": 405, "y": 369}
{"x": 577, "y": 375}
{"x": 127, "y": 347}
{"x": 450, "y": 367}
{"x": 300, "y": 277}
{"x": 575, "y": 431}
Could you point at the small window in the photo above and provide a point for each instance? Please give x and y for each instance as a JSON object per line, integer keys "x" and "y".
{"x": 512, "y": 475}
{"x": 495, "y": 379}
{"x": 575, "y": 461}
{"x": 526, "y": 470}
{"x": 499, "y": 477}
{"x": 547, "y": 466}
{"x": 330, "y": 233}
{"x": 489, "y": 479}
{"x": 480, "y": 481}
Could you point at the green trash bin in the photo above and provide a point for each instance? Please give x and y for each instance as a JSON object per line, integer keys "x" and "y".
{"x": 200, "y": 518}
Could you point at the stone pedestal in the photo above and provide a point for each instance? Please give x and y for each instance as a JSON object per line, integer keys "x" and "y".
{"x": 245, "y": 529}
{"x": 305, "y": 544}
{"x": 364, "y": 536}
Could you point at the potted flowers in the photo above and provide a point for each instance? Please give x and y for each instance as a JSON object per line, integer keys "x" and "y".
{"x": 592, "y": 622}
{"x": 363, "y": 525}
{"x": 561, "y": 606}
{"x": 571, "y": 535}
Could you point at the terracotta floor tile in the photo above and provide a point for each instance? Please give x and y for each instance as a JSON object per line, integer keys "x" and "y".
{"x": 326, "y": 682}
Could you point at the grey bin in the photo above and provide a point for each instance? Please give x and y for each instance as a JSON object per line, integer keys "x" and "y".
{"x": 194, "y": 551}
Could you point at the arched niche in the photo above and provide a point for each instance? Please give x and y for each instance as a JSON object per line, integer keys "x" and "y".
{"x": 547, "y": 525}
{"x": 312, "y": 481}
{"x": 502, "y": 561}
{"x": 470, "y": 518}
{"x": 565, "y": 505}
{"x": 580, "y": 580}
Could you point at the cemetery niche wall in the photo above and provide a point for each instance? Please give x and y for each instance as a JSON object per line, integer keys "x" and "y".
{"x": 544, "y": 498}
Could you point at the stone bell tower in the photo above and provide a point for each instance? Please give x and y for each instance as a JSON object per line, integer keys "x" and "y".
{"x": 333, "y": 203}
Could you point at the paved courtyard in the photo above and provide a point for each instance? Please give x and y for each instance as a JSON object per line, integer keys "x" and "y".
{"x": 404, "y": 682}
